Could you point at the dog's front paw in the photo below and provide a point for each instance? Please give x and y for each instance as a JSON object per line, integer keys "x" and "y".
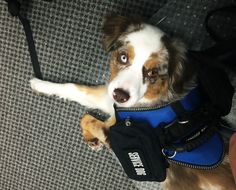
{"x": 39, "y": 86}
{"x": 94, "y": 144}
{"x": 34, "y": 84}
{"x": 93, "y": 132}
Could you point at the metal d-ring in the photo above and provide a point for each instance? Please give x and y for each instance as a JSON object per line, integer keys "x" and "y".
{"x": 183, "y": 122}
{"x": 127, "y": 122}
{"x": 172, "y": 156}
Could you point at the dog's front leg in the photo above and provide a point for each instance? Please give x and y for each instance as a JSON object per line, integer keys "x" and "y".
{"x": 95, "y": 97}
{"x": 95, "y": 131}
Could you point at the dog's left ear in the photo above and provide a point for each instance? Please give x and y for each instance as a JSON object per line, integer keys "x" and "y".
{"x": 115, "y": 26}
{"x": 177, "y": 63}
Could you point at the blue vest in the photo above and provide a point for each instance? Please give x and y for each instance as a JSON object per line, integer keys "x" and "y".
{"x": 205, "y": 156}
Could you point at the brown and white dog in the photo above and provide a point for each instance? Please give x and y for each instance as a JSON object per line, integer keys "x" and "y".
{"x": 147, "y": 68}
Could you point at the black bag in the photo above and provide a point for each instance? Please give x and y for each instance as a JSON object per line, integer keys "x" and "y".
{"x": 138, "y": 150}
{"x": 214, "y": 82}
{"x": 222, "y": 54}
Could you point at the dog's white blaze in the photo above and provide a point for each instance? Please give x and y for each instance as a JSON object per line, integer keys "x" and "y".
{"x": 129, "y": 79}
{"x": 145, "y": 42}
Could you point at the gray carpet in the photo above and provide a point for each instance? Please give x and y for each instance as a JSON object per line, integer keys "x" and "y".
{"x": 40, "y": 138}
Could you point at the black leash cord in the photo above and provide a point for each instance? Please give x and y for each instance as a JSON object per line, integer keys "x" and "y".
{"x": 14, "y": 10}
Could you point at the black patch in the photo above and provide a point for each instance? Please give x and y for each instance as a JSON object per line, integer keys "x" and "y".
{"x": 138, "y": 150}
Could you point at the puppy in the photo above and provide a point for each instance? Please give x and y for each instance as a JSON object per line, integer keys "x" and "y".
{"x": 147, "y": 68}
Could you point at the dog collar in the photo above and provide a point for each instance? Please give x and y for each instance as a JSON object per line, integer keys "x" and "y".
{"x": 157, "y": 115}
{"x": 206, "y": 156}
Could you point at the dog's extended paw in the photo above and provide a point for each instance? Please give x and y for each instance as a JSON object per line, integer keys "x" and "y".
{"x": 95, "y": 144}
{"x": 34, "y": 86}
{"x": 39, "y": 87}
{"x": 93, "y": 132}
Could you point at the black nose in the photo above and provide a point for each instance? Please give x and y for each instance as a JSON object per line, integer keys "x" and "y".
{"x": 120, "y": 95}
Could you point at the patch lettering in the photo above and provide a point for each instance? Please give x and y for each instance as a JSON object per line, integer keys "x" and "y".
{"x": 137, "y": 163}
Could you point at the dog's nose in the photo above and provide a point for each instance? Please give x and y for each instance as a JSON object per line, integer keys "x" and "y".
{"x": 120, "y": 95}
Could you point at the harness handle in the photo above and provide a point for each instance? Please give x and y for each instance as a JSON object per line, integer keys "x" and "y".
{"x": 194, "y": 143}
{"x": 14, "y": 10}
{"x": 185, "y": 129}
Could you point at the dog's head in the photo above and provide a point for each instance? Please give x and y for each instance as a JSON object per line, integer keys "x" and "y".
{"x": 145, "y": 65}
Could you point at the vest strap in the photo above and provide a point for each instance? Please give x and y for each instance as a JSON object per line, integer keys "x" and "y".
{"x": 189, "y": 130}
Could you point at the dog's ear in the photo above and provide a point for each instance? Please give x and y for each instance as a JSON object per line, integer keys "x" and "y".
{"x": 115, "y": 26}
{"x": 177, "y": 63}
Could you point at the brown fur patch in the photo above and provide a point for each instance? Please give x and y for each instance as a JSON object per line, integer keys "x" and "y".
{"x": 157, "y": 64}
{"x": 152, "y": 62}
{"x": 219, "y": 177}
{"x": 115, "y": 66}
{"x": 114, "y": 26}
{"x": 131, "y": 53}
{"x": 157, "y": 90}
{"x": 92, "y": 128}
{"x": 98, "y": 90}
{"x": 179, "y": 178}
{"x": 110, "y": 122}
{"x": 95, "y": 131}
{"x": 158, "y": 59}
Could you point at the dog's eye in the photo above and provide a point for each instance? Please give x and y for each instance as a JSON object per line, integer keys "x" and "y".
{"x": 152, "y": 73}
{"x": 123, "y": 58}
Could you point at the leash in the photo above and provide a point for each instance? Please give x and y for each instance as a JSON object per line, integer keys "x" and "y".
{"x": 14, "y": 10}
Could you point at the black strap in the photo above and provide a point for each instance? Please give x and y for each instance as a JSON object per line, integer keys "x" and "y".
{"x": 14, "y": 10}
{"x": 195, "y": 142}
{"x": 178, "y": 108}
{"x": 194, "y": 130}
{"x": 197, "y": 138}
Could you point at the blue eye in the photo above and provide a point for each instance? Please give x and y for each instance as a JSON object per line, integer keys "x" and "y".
{"x": 123, "y": 58}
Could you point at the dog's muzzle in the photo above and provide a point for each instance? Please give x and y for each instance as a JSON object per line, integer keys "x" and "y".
{"x": 120, "y": 95}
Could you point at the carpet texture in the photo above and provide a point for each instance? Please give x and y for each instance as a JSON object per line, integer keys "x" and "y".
{"x": 40, "y": 138}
